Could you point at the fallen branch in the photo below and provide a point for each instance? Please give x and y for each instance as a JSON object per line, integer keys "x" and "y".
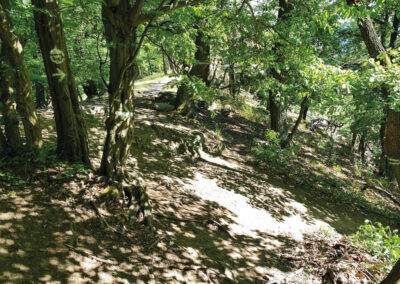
{"x": 83, "y": 253}
{"x": 381, "y": 190}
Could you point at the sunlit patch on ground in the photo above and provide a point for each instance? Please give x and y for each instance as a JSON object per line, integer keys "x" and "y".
{"x": 251, "y": 221}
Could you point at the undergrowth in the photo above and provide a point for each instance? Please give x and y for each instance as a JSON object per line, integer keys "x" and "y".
{"x": 327, "y": 178}
{"x": 379, "y": 241}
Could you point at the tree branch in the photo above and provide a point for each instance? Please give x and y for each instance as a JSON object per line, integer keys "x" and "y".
{"x": 136, "y": 10}
{"x": 166, "y": 9}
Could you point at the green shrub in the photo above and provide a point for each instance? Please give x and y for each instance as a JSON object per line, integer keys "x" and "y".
{"x": 381, "y": 242}
{"x": 272, "y": 151}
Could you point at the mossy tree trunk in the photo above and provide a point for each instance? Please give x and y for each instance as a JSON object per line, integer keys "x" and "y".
{"x": 14, "y": 52}
{"x": 72, "y": 144}
{"x": 121, "y": 32}
{"x": 184, "y": 99}
{"x": 10, "y": 114}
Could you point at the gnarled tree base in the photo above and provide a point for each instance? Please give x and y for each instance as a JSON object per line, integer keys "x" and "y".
{"x": 134, "y": 192}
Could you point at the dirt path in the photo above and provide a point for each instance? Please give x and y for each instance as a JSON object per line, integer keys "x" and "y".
{"x": 218, "y": 219}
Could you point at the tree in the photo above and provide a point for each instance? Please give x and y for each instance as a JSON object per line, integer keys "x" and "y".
{"x": 72, "y": 142}
{"x": 275, "y": 108}
{"x": 10, "y": 115}
{"x": 123, "y": 23}
{"x": 377, "y": 51}
{"x": 201, "y": 69}
{"x": 13, "y": 50}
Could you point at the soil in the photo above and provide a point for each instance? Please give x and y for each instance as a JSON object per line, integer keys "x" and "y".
{"x": 218, "y": 217}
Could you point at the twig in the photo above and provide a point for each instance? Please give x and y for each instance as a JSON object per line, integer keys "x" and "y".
{"x": 104, "y": 221}
{"x": 88, "y": 255}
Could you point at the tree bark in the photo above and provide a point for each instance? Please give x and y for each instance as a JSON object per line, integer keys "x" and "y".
{"x": 305, "y": 112}
{"x": 232, "y": 80}
{"x": 2, "y": 140}
{"x": 362, "y": 147}
{"x": 275, "y": 109}
{"x": 15, "y": 57}
{"x": 395, "y": 32}
{"x": 40, "y": 95}
{"x": 394, "y": 275}
{"x": 72, "y": 144}
{"x": 90, "y": 89}
{"x": 353, "y": 140}
{"x": 165, "y": 63}
{"x": 289, "y": 139}
{"x": 10, "y": 114}
{"x": 185, "y": 100}
{"x": 383, "y": 167}
{"x": 121, "y": 32}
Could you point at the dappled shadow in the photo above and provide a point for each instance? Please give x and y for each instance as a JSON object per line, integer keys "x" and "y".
{"x": 218, "y": 218}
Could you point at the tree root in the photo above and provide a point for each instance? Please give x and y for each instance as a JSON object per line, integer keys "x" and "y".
{"x": 104, "y": 221}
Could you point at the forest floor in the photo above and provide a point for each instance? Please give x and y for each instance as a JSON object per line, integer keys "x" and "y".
{"x": 219, "y": 217}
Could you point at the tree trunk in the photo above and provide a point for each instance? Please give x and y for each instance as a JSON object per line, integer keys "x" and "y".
{"x": 275, "y": 107}
{"x": 40, "y": 95}
{"x": 392, "y": 142}
{"x": 185, "y": 100}
{"x": 90, "y": 89}
{"x": 120, "y": 30}
{"x": 383, "y": 167}
{"x": 353, "y": 140}
{"x": 305, "y": 112}
{"x": 289, "y": 139}
{"x": 392, "y": 136}
{"x": 172, "y": 65}
{"x": 394, "y": 275}
{"x": 15, "y": 57}
{"x": 10, "y": 114}
{"x": 275, "y": 110}
{"x": 231, "y": 77}
{"x": 165, "y": 63}
{"x": 362, "y": 147}
{"x": 395, "y": 33}
{"x": 2, "y": 140}
{"x": 120, "y": 123}
{"x": 72, "y": 143}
